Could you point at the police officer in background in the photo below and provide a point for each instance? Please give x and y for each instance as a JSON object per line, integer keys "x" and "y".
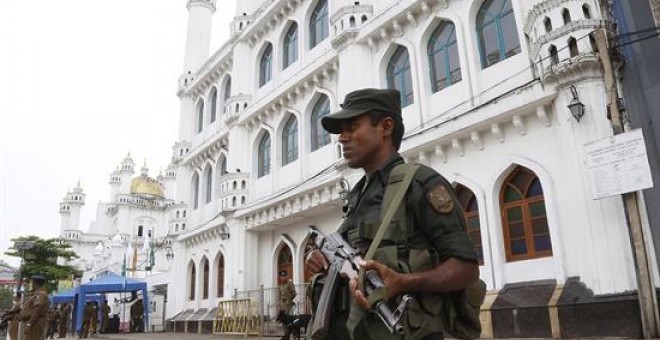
{"x": 437, "y": 252}
{"x": 35, "y": 310}
{"x": 53, "y": 320}
{"x": 65, "y": 315}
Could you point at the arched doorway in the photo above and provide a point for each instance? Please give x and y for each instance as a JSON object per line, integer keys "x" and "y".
{"x": 284, "y": 265}
{"x": 311, "y": 243}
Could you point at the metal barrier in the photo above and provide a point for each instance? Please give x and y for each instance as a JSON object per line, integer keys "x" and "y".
{"x": 237, "y": 317}
{"x": 267, "y": 301}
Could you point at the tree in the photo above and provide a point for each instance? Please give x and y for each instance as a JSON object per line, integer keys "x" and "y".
{"x": 42, "y": 259}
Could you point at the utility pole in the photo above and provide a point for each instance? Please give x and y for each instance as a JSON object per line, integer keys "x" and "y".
{"x": 645, "y": 286}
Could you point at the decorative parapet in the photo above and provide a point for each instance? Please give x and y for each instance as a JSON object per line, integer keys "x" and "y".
{"x": 210, "y": 4}
{"x": 240, "y": 23}
{"x": 234, "y": 106}
{"x": 347, "y": 21}
{"x": 143, "y": 202}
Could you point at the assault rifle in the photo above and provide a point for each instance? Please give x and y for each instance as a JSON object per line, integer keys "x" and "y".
{"x": 343, "y": 260}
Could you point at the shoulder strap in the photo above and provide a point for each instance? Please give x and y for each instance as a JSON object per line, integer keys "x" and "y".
{"x": 391, "y": 203}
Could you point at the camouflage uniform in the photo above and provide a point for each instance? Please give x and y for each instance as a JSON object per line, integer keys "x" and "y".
{"x": 434, "y": 232}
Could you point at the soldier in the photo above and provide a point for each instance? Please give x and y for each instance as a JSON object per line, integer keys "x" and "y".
{"x": 436, "y": 251}
{"x": 53, "y": 320}
{"x": 35, "y": 310}
{"x": 93, "y": 327}
{"x": 65, "y": 313}
{"x": 105, "y": 316}
{"x": 287, "y": 293}
{"x": 137, "y": 316}
{"x": 88, "y": 315}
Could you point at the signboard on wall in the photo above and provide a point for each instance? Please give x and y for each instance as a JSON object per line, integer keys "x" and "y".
{"x": 618, "y": 164}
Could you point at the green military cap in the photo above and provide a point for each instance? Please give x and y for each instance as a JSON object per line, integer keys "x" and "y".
{"x": 363, "y": 101}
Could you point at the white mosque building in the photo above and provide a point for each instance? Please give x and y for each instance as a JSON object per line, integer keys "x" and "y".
{"x": 485, "y": 87}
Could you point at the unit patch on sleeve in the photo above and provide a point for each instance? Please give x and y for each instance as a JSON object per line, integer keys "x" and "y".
{"x": 440, "y": 199}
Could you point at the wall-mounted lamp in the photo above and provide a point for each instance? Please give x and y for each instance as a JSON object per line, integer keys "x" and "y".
{"x": 576, "y": 106}
{"x": 345, "y": 189}
{"x": 224, "y": 232}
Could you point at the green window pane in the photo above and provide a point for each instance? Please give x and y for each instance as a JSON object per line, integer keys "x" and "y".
{"x": 473, "y": 223}
{"x": 514, "y": 214}
{"x": 511, "y": 195}
{"x": 537, "y": 209}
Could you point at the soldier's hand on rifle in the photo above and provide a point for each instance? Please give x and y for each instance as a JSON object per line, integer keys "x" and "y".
{"x": 316, "y": 262}
{"x": 395, "y": 282}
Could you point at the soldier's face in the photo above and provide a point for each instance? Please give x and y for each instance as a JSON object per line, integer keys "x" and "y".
{"x": 361, "y": 141}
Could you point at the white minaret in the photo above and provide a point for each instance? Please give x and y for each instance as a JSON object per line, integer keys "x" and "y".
{"x": 247, "y": 7}
{"x": 198, "y": 39}
{"x": 126, "y": 171}
{"x": 70, "y": 208}
{"x": 115, "y": 183}
{"x": 169, "y": 181}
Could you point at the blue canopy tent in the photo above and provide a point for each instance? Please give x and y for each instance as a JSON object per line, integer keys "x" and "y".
{"x": 111, "y": 283}
{"x": 69, "y": 295}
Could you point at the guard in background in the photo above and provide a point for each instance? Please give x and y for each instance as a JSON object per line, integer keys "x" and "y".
{"x": 65, "y": 314}
{"x": 35, "y": 310}
{"x": 105, "y": 316}
{"x": 88, "y": 315}
{"x": 53, "y": 320}
{"x": 95, "y": 318}
{"x": 13, "y": 314}
{"x": 137, "y": 316}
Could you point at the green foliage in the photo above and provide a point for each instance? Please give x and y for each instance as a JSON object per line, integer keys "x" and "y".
{"x": 41, "y": 259}
{"x": 6, "y": 296}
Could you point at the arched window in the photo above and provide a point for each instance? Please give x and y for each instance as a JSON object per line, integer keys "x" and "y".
{"x": 497, "y": 32}
{"x": 554, "y": 56}
{"x": 200, "y": 115}
{"x": 320, "y": 137}
{"x": 526, "y": 232}
{"x": 191, "y": 288}
{"x": 263, "y": 156}
{"x": 443, "y": 57}
{"x": 572, "y": 47}
{"x": 266, "y": 65}
{"x": 205, "y": 283}
{"x": 242, "y": 199}
{"x": 284, "y": 265}
{"x": 399, "y": 76}
{"x": 351, "y": 21}
{"x": 548, "y": 25}
{"x": 221, "y": 166}
{"x": 318, "y": 24}
{"x": 586, "y": 11}
{"x": 471, "y": 216}
{"x": 195, "y": 191}
{"x": 226, "y": 94}
{"x": 566, "y": 15}
{"x": 214, "y": 103}
{"x": 290, "y": 141}
{"x": 363, "y": 19}
{"x": 290, "y": 46}
{"x": 208, "y": 184}
{"x": 220, "y": 283}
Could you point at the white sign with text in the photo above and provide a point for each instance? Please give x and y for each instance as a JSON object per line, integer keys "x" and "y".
{"x": 618, "y": 165}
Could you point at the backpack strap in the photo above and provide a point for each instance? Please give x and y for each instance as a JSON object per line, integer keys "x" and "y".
{"x": 390, "y": 205}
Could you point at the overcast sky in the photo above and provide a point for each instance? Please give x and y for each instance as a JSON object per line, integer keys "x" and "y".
{"x": 82, "y": 83}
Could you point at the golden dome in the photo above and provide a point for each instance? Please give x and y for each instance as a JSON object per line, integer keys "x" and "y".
{"x": 145, "y": 185}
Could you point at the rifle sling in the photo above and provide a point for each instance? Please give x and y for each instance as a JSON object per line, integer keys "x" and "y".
{"x": 410, "y": 170}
